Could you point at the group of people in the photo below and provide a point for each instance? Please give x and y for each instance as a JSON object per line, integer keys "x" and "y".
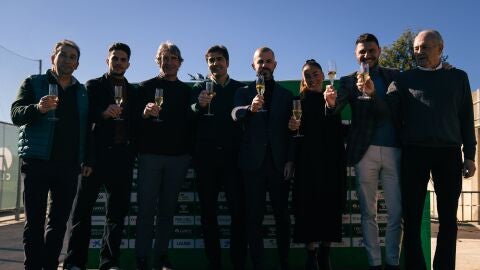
{"x": 413, "y": 124}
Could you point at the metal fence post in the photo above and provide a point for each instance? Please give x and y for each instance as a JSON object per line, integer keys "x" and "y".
{"x": 19, "y": 191}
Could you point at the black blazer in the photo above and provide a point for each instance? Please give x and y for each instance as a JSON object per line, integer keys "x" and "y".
{"x": 263, "y": 128}
{"x": 365, "y": 114}
{"x": 101, "y": 95}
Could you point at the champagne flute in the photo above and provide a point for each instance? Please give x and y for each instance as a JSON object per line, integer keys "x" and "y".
{"x": 158, "y": 102}
{"x": 260, "y": 86}
{"x": 118, "y": 99}
{"x": 209, "y": 88}
{"x": 297, "y": 114}
{"x": 53, "y": 91}
{"x": 332, "y": 71}
{"x": 363, "y": 70}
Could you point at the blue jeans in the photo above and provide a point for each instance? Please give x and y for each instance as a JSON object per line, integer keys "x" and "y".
{"x": 380, "y": 164}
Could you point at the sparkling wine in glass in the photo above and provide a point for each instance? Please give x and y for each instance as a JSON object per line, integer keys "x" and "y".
{"x": 118, "y": 98}
{"x": 210, "y": 93}
{"x": 297, "y": 114}
{"x": 53, "y": 91}
{"x": 363, "y": 70}
{"x": 158, "y": 102}
{"x": 332, "y": 71}
{"x": 260, "y": 86}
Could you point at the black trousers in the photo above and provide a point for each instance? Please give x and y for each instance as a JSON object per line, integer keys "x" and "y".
{"x": 445, "y": 166}
{"x": 113, "y": 171}
{"x": 43, "y": 244}
{"x": 257, "y": 183}
{"x": 216, "y": 169}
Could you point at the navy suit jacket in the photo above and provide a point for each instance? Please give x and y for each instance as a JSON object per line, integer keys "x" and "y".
{"x": 101, "y": 95}
{"x": 365, "y": 114}
{"x": 264, "y": 128}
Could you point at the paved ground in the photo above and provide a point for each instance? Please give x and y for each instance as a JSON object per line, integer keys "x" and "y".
{"x": 11, "y": 249}
{"x": 468, "y": 245}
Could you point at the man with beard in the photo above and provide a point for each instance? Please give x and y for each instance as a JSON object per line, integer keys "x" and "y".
{"x": 433, "y": 107}
{"x": 266, "y": 156}
{"x": 373, "y": 148}
{"x": 112, "y": 159}
{"x": 215, "y": 159}
{"x": 52, "y": 142}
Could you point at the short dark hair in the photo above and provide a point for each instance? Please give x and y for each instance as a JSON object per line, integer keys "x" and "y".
{"x": 121, "y": 47}
{"x": 220, "y": 49}
{"x": 367, "y": 37}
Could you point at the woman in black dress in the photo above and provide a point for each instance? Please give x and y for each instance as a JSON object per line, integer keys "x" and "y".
{"x": 320, "y": 172}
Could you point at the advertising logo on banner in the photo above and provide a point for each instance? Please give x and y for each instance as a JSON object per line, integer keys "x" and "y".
{"x": 6, "y": 161}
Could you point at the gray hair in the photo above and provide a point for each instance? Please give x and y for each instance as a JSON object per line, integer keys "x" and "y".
{"x": 432, "y": 33}
{"x": 168, "y": 46}
{"x": 68, "y": 43}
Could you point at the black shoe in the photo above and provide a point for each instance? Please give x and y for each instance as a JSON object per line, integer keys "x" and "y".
{"x": 163, "y": 263}
{"x": 376, "y": 267}
{"x": 142, "y": 264}
{"x": 311, "y": 263}
{"x": 71, "y": 267}
{"x": 392, "y": 267}
{"x": 238, "y": 267}
{"x": 215, "y": 266}
{"x": 323, "y": 258}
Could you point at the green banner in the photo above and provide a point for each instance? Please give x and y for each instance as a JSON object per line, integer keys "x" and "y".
{"x": 186, "y": 244}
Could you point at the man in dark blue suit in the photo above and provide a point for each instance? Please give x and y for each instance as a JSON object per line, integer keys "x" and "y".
{"x": 265, "y": 156}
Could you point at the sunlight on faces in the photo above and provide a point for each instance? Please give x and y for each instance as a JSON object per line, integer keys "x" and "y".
{"x": 169, "y": 64}
{"x": 313, "y": 77}
{"x": 65, "y": 61}
{"x": 427, "y": 49}
{"x": 264, "y": 63}
{"x": 217, "y": 64}
{"x": 368, "y": 52}
{"x": 117, "y": 62}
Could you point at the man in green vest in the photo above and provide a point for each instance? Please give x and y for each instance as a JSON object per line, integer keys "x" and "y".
{"x": 52, "y": 139}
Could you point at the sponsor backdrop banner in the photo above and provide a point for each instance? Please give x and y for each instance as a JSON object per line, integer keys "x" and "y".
{"x": 186, "y": 242}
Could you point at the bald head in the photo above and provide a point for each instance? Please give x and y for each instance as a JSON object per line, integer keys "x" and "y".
{"x": 264, "y": 62}
{"x": 428, "y": 48}
{"x": 431, "y": 34}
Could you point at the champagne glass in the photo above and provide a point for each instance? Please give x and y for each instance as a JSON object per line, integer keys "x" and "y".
{"x": 158, "y": 102}
{"x": 209, "y": 88}
{"x": 297, "y": 114}
{"x": 332, "y": 71}
{"x": 363, "y": 70}
{"x": 53, "y": 91}
{"x": 260, "y": 86}
{"x": 118, "y": 98}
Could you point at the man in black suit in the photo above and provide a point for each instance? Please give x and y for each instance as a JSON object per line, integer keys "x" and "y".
{"x": 112, "y": 159}
{"x": 373, "y": 148}
{"x": 265, "y": 156}
{"x": 215, "y": 158}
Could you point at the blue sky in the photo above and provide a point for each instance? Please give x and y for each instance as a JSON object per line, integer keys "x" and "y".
{"x": 295, "y": 30}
